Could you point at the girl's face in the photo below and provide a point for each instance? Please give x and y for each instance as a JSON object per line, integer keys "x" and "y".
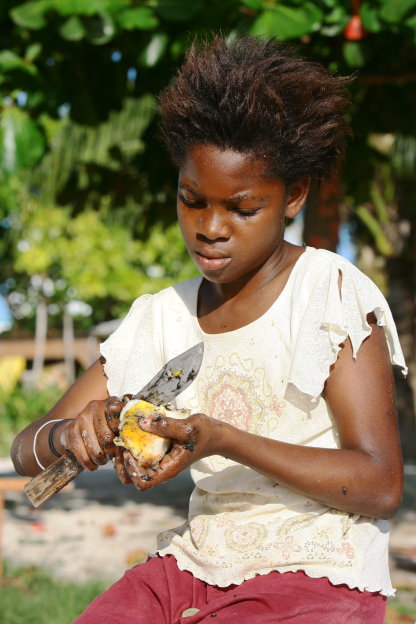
{"x": 231, "y": 215}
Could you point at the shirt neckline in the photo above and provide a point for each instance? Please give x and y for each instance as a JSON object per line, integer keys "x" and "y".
{"x": 278, "y": 301}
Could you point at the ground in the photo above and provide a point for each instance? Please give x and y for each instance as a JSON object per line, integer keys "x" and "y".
{"x": 98, "y": 528}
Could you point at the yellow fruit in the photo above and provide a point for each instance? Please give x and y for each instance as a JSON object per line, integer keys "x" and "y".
{"x": 147, "y": 448}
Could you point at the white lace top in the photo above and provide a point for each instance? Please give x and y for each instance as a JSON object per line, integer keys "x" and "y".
{"x": 266, "y": 378}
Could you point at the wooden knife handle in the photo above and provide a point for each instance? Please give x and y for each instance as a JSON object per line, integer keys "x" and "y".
{"x": 49, "y": 482}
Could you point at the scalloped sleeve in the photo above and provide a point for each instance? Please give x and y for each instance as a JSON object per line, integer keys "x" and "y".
{"x": 330, "y": 315}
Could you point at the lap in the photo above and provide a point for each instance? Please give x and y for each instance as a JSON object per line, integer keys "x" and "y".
{"x": 157, "y": 592}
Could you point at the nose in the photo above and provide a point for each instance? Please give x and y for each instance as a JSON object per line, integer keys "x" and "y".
{"x": 213, "y": 224}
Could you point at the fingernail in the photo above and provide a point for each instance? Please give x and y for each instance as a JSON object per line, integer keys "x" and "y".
{"x": 145, "y": 421}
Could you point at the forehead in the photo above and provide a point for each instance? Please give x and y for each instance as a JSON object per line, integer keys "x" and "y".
{"x": 207, "y": 165}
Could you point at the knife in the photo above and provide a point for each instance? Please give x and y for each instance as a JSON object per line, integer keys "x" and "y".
{"x": 170, "y": 381}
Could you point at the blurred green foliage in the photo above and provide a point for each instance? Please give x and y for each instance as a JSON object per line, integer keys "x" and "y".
{"x": 87, "y": 193}
{"x": 21, "y": 407}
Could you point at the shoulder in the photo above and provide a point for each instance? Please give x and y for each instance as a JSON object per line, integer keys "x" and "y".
{"x": 156, "y": 328}
{"x": 182, "y": 290}
{"x": 330, "y": 302}
{"x": 320, "y": 263}
{"x": 337, "y": 293}
{"x": 323, "y": 276}
{"x": 167, "y": 296}
{"x": 147, "y": 310}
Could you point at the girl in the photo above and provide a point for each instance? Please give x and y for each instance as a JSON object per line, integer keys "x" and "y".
{"x": 293, "y": 439}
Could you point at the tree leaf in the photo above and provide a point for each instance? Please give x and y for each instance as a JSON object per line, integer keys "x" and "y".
{"x": 21, "y": 141}
{"x": 395, "y": 12}
{"x": 178, "y": 10}
{"x": 404, "y": 156}
{"x": 256, "y": 5}
{"x": 380, "y": 239}
{"x": 334, "y": 21}
{"x": 353, "y": 53}
{"x": 337, "y": 15}
{"x": 411, "y": 23}
{"x": 154, "y": 50}
{"x": 30, "y": 14}
{"x": 370, "y": 17}
{"x": 287, "y": 22}
{"x": 140, "y": 18}
{"x": 73, "y": 29}
{"x": 332, "y": 30}
{"x": 331, "y": 3}
{"x": 33, "y": 51}
{"x": 9, "y": 61}
{"x": 87, "y": 7}
{"x": 100, "y": 28}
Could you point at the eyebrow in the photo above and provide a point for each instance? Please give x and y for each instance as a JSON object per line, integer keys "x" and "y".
{"x": 189, "y": 188}
{"x": 238, "y": 197}
{"x": 245, "y": 196}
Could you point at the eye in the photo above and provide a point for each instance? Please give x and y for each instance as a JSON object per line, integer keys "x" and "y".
{"x": 245, "y": 213}
{"x": 192, "y": 203}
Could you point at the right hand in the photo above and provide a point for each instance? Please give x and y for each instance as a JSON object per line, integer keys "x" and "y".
{"x": 90, "y": 435}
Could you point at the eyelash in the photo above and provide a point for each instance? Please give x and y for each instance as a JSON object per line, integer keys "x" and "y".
{"x": 246, "y": 213}
{"x": 199, "y": 204}
{"x": 189, "y": 203}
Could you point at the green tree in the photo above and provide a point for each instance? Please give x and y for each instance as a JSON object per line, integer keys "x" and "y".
{"x": 79, "y": 123}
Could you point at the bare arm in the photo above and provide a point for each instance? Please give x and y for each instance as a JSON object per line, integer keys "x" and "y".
{"x": 363, "y": 477}
{"x": 89, "y": 391}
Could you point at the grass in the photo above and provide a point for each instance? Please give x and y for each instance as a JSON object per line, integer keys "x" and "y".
{"x": 402, "y": 608}
{"x": 32, "y": 596}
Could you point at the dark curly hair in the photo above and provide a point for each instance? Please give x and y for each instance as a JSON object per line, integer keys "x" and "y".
{"x": 255, "y": 96}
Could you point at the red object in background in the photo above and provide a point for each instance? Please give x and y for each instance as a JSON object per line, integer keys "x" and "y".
{"x": 322, "y": 217}
{"x": 354, "y": 30}
{"x": 109, "y": 530}
{"x": 38, "y": 527}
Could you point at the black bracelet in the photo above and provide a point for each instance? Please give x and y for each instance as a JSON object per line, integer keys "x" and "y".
{"x": 50, "y": 437}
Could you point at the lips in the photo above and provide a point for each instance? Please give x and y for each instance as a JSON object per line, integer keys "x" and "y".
{"x": 211, "y": 259}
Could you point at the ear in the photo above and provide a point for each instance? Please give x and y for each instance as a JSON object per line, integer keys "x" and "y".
{"x": 296, "y": 197}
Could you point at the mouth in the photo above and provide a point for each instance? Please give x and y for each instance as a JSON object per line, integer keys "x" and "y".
{"x": 211, "y": 260}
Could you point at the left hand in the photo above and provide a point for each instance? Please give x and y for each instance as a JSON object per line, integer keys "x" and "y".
{"x": 193, "y": 438}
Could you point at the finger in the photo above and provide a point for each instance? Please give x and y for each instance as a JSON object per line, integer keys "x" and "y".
{"x": 180, "y": 430}
{"x": 119, "y": 466}
{"x": 104, "y": 435}
{"x": 112, "y": 410}
{"x": 93, "y": 430}
{"x": 169, "y": 467}
{"x": 74, "y": 442}
{"x": 92, "y": 445}
{"x": 141, "y": 478}
{"x": 175, "y": 461}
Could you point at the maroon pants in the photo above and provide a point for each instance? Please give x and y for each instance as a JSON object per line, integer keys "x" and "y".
{"x": 157, "y": 592}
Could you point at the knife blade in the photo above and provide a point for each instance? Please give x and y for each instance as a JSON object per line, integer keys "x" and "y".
{"x": 172, "y": 379}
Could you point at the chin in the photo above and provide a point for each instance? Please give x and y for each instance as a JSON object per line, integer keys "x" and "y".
{"x": 224, "y": 279}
